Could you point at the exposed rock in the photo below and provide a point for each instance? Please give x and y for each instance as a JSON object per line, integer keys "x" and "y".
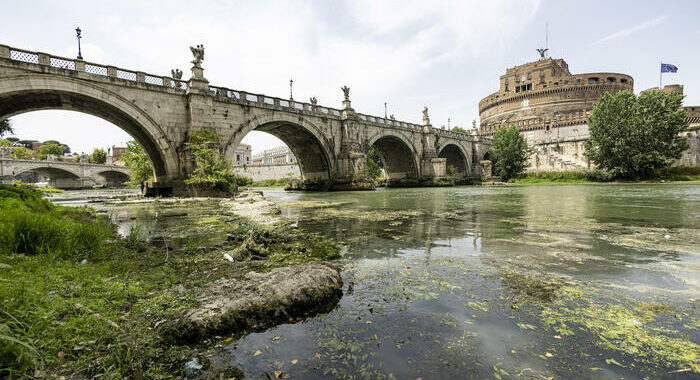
{"x": 254, "y": 206}
{"x": 257, "y": 301}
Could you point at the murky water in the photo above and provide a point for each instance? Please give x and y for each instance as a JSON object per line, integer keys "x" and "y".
{"x": 564, "y": 282}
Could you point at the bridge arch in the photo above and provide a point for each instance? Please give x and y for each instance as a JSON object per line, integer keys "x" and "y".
{"x": 47, "y": 170}
{"x": 32, "y": 92}
{"x": 457, "y": 160}
{"x": 313, "y": 151}
{"x": 400, "y": 157}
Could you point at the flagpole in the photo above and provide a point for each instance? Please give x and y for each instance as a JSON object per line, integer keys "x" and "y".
{"x": 661, "y": 63}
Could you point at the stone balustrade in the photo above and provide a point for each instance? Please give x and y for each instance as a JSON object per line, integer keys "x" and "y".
{"x": 220, "y": 93}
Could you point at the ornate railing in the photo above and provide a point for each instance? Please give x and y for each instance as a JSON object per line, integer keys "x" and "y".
{"x": 97, "y": 69}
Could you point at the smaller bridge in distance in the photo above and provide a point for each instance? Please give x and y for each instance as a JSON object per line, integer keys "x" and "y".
{"x": 62, "y": 174}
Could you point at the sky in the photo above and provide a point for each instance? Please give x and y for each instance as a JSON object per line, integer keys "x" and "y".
{"x": 446, "y": 55}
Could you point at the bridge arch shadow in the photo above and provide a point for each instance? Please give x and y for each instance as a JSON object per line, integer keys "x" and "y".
{"x": 457, "y": 161}
{"x": 399, "y": 158}
{"x": 113, "y": 178}
{"x": 26, "y": 93}
{"x": 313, "y": 152}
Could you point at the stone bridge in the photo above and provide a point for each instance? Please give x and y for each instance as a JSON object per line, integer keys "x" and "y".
{"x": 159, "y": 111}
{"x": 63, "y": 175}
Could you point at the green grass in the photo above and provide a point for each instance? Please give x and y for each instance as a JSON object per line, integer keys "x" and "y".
{"x": 270, "y": 183}
{"x": 552, "y": 177}
{"x": 53, "y": 306}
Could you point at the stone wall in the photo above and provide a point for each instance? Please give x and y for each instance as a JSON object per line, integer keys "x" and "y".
{"x": 562, "y": 149}
{"x": 264, "y": 172}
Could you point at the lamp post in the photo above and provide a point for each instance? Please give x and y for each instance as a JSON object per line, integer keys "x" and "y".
{"x": 77, "y": 33}
{"x": 291, "y": 82}
{"x": 448, "y": 123}
{"x": 385, "y": 110}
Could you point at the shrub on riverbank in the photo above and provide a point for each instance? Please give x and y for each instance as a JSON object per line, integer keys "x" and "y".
{"x": 600, "y": 175}
{"x": 279, "y": 182}
{"x": 538, "y": 177}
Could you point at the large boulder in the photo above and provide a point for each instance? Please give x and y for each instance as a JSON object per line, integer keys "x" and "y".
{"x": 258, "y": 301}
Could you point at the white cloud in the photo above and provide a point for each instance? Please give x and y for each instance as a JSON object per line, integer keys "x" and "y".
{"x": 632, "y": 30}
{"x": 394, "y": 51}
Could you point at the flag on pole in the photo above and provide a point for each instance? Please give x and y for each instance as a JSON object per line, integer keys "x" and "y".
{"x": 668, "y": 68}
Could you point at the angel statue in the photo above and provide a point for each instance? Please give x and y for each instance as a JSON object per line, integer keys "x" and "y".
{"x": 198, "y": 53}
{"x": 346, "y": 92}
{"x": 543, "y": 52}
{"x": 313, "y": 100}
{"x": 425, "y": 114}
{"x": 176, "y": 73}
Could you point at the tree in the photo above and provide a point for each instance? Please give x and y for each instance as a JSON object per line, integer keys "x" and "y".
{"x": 374, "y": 163}
{"x": 631, "y": 136}
{"x": 137, "y": 160}
{"x": 50, "y": 148}
{"x": 211, "y": 169}
{"x": 98, "y": 156}
{"x": 459, "y": 129}
{"x": 5, "y": 127}
{"x": 5, "y": 143}
{"x": 509, "y": 152}
{"x": 66, "y": 148}
{"x": 22, "y": 153}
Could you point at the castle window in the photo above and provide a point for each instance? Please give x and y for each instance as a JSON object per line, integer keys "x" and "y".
{"x": 578, "y": 80}
{"x": 592, "y": 80}
{"x": 623, "y": 80}
{"x": 610, "y": 80}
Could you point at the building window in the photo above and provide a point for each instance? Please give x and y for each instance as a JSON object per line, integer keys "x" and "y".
{"x": 610, "y": 80}
{"x": 623, "y": 81}
{"x": 592, "y": 80}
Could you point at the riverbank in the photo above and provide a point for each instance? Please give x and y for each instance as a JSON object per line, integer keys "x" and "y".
{"x": 595, "y": 176}
{"x": 81, "y": 301}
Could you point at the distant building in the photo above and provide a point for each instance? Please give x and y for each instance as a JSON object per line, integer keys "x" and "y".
{"x": 279, "y": 155}
{"x": 550, "y": 106}
{"x": 117, "y": 152}
{"x": 35, "y": 145}
{"x": 242, "y": 155}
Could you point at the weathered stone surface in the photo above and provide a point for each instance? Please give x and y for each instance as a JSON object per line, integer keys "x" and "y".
{"x": 258, "y": 301}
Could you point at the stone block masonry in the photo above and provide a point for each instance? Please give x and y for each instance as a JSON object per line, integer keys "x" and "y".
{"x": 267, "y": 172}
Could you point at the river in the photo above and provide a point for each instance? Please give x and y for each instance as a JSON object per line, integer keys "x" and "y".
{"x": 538, "y": 281}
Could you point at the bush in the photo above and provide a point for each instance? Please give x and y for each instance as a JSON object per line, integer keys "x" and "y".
{"x": 270, "y": 182}
{"x": 240, "y": 180}
{"x": 599, "y": 175}
{"x": 211, "y": 169}
{"x": 560, "y": 176}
